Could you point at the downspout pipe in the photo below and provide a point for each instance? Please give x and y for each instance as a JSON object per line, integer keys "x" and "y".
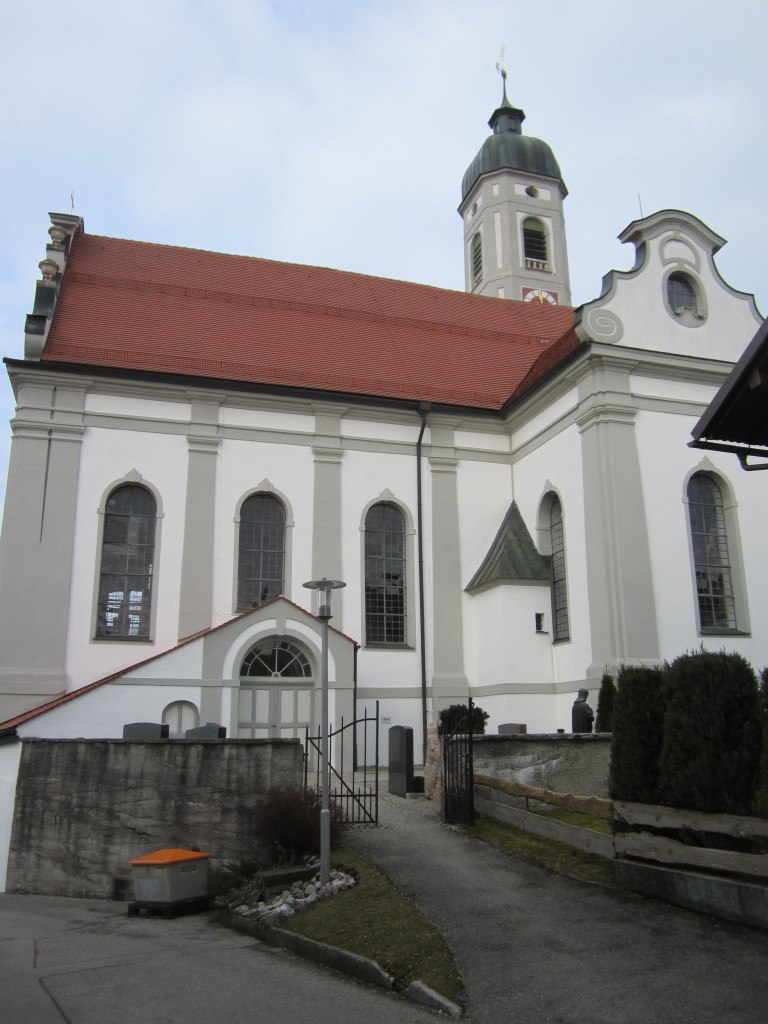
{"x": 424, "y": 408}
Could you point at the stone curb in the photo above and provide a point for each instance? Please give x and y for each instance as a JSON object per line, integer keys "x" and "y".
{"x": 421, "y": 993}
{"x": 356, "y": 966}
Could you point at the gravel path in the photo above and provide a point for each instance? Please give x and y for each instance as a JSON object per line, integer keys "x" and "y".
{"x": 534, "y": 947}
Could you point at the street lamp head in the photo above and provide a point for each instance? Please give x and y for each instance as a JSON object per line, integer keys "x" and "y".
{"x": 324, "y": 588}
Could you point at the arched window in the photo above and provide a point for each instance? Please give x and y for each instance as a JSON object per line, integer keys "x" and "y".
{"x": 534, "y": 244}
{"x": 276, "y": 691}
{"x": 477, "y": 258}
{"x": 127, "y": 565}
{"x": 180, "y": 716}
{"x": 276, "y": 659}
{"x": 681, "y": 294}
{"x": 261, "y": 552}
{"x": 560, "y": 629}
{"x": 384, "y": 575}
{"x": 714, "y": 585}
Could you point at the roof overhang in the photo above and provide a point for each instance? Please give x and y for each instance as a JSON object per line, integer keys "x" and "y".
{"x": 737, "y": 418}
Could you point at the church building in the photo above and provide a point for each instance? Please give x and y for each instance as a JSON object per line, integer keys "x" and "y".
{"x": 503, "y": 482}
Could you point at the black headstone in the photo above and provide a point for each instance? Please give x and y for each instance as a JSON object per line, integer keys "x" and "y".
{"x": 145, "y": 731}
{"x": 401, "y": 760}
{"x": 209, "y": 731}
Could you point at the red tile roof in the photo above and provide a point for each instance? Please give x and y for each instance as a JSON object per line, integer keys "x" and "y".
{"x": 164, "y": 309}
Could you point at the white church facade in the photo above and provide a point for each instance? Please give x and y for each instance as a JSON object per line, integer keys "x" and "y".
{"x": 503, "y": 482}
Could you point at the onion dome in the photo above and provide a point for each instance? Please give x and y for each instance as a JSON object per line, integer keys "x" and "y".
{"x": 509, "y": 148}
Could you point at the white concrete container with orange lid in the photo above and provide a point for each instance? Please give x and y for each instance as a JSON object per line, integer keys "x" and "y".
{"x": 170, "y": 876}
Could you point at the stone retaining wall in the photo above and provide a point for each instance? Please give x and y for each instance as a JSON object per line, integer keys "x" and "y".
{"x": 564, "y": 762}
{"x": 85, "y": 808}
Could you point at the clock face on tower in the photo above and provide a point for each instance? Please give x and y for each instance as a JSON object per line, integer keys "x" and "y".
{"x": 539, "y": 295}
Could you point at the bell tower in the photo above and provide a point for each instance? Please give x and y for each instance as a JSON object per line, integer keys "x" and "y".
{"x": 512, "y": 207}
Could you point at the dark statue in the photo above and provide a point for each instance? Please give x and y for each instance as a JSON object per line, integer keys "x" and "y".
{"x": 582, "y": 714}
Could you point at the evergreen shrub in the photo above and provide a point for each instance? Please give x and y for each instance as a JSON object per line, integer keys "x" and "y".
{"x": 712, "y": 734}
{"x": 605, "y": 703}
{"x": 638, "y": 728}
{"x": 760, "y": 801}
{"x": 451, "y": 719}
{"x": 288, "y": 823}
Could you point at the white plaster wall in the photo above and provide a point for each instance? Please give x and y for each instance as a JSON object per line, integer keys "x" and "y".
{"x": 673, "y": 390}
{"x": 529, "y": 428}
{"x": 382, "y": 430}
{"x": 557, "y": 465}
{"x": 184, "y": 663}
{"x": 107, "y": 456}
{"x": 534, "y": 710}
{"x": 485, "y": 494}
{"x": 10, "y": 757}
{"x": 267, "y": 419}
{"x": 508, "y": 650}
{"x": 494, "y": 441}
{"x": 102, "y": 713}
{"x": 666, "y": 463}
{"x": 641, "y": 303}
{"x": 405, "y": 712}
{"x": 241, "y": 467}
{"x": 132, "y": 408}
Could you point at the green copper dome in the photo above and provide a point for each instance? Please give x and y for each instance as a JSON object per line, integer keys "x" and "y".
{"x": 509, "y": 148}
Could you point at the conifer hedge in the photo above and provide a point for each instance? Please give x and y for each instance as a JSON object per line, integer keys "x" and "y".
{"x": 760, "y": 801}
{"x": 637, "y": 727}
{"x": 605, "y": 702}
{"x": 712, "y": 734}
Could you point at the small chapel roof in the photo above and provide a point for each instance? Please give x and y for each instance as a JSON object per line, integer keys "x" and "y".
{"x": 513, "y": 557}
{"x": 138, "y": 306}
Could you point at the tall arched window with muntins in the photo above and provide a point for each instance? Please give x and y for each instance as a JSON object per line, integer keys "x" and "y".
{"x": 535, "y": 244}
{"x": 384, "y": 575}
{"x": 261, "y": 552}
{"x": 127, "y": 565}
{"x": 714, "y": 583}
{"x": 560, "y": 627}
{"x": 477, "y": 258}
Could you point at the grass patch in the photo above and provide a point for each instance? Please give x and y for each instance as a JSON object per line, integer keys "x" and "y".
{"x": 377, "y": 921}
{"x": 556, "y": 857}
{"x": 578, "y": 818}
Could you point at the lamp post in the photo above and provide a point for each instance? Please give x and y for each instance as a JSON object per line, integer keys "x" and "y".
{"x": 324, "y": 588}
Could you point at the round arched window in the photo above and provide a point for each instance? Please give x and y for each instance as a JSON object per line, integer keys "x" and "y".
{"x": 276, "y": 659}
{"x": 685, "y": 299}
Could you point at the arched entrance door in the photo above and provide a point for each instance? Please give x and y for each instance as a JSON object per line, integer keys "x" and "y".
{"x": 276, "y": 687}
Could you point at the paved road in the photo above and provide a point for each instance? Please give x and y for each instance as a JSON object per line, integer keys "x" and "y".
{"x": 66, "y": 961}
{"x": 534, "y": 948}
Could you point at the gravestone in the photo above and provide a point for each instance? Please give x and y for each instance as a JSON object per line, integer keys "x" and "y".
{"x": 145, "y": 731}
{"x": 401, "y": 760}
{"x": 209, "y": 731}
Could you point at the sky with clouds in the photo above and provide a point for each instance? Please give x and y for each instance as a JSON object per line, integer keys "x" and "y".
{"x": 337, "y": 133}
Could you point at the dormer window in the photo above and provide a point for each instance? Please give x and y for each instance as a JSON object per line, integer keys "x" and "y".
{"x": 535, "y": 244}
{"x": 683, "y": 299}
{"x": 680, "y": 293}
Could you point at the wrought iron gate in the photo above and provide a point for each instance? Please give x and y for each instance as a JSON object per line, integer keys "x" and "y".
{"x": 458, "y": 783}
{"x": 354, "y": 783}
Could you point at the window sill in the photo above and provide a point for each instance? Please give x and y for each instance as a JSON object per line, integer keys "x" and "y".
{"x": 122, "y": 640}
{"x": 561, "y": 640}
{"x": 724, "y": 631}
{"x": 387, "y": 647}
